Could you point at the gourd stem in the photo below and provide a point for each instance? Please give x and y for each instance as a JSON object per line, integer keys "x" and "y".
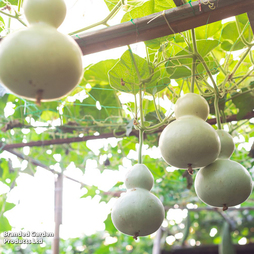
{"x": 218, "y": 64}
{"x": 14, "y": 17}
{"x": 141, "y": 132}
{"x": 239, "y": 62}
{"x": 217, "y": 112}
{"x": 193, "y": 69}
{"x": 20, "y": 2}
{"x": 156, "y": 109}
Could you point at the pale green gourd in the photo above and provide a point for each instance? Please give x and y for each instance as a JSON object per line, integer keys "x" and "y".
{"x": 189, "y": 141}
{"x": 39, "y": 63}
{"x": 223, "y": 183}
{"x": 138, "y": 212}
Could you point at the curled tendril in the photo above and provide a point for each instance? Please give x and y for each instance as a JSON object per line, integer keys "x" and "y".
{"x": 210, "y": 5}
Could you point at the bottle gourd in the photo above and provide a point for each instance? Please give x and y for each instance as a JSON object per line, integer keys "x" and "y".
{"x": 38, "y": 62}
{"x": 190, "y": 142}
{"x": 138, "y": 212}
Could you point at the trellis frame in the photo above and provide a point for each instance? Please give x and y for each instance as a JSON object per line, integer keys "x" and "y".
{"x": 175, "y": 20}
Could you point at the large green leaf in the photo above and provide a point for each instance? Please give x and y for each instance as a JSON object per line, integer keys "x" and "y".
{"x": 208, "y": 31}
{"x": 206, "y": 46}
{"x": 123, "y": 75}
{"x": 180, "y": 72}
{"x": 231, "y": 38}
{"x": 244, "y": 102}
{"x": 149, "y": 7}
{"x": 109, "y": 102}
{"x": 98, "y": 73}
{"x": 203, "y": 46}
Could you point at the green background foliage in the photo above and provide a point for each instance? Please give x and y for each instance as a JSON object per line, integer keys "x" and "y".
{"x": 165, "y": 72}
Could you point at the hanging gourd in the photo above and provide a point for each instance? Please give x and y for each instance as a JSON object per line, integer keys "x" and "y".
{"x": 190, "y": 142}
{"x": 138, "y": 212}
{"x": 39, "y": 63}
{"x": 223, "y": 183}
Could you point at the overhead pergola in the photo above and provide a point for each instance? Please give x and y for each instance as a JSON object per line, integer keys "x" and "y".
{"x": 176, "y": 20}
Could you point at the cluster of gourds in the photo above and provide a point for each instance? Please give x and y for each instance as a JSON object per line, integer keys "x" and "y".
{"x": 188, "y": 142}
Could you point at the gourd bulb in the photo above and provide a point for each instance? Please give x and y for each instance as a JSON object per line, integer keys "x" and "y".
{"x": 191, "y": 104}
{"x": 139, "y": 176}
{"x": 138, "y": 212}
{"x": 223, "y": 183}
{"x": 51, "y": 12}
{"x": 189, "y": 141}
{"x": 39, "y": 63}
{"x": 227, "y": 144}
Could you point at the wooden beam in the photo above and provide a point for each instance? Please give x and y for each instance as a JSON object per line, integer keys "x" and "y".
{"x": 155, "y": 25}
{"x": 178, "y": 2}
{"x": 7, "y": 147}
{"x": 251, "y": 19}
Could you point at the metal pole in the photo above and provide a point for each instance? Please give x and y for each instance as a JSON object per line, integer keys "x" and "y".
{"x": 58, "y": 212}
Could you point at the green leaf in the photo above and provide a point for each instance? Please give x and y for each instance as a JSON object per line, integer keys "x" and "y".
{"x": 149, "y": 7}
{"x": 12, "y": 2}
{"x": 111, "y": 4}
{"x": 181, "y": 72}
{"x": 206, "y": 46}
{"x": 244, "y": 102}
{"x": 48, "y": 115}
{"x": 159, "y": 81}
{"x": 207, "y": 31}
{"x": 141, "y": 11}
{"x": 71, "y": 111}
{"x": 152, "y": 117}
{"x": 91, "y": 191}
{"x": 98, "y": 73}
{"x": 5, "y": 206}
{"x": 156, "y": 43}
{"x": 3, "y": 101}
{"x": 231, "y": 38}
{"x": 110, "y": 226}
{"x": 4, "y": 224}
{"x": 123, "y": 76}
{"x": 108, "y": 100}
{"x": 211, "y": 65}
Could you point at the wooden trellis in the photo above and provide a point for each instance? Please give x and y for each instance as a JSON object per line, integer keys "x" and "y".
{"x": 175, "y": 20}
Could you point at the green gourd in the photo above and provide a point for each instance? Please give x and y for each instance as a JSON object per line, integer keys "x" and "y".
{"x": 226, "y": 246}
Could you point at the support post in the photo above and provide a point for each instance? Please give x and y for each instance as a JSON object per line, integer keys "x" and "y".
{"x": 58, "y": 212}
